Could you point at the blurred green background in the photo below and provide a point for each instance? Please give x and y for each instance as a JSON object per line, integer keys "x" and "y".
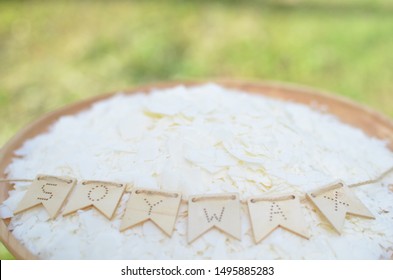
{"x": 54, "y": 53}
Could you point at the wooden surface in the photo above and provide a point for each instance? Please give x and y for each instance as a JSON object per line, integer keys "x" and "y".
{"x": 221, "y": 211}
{"x": 267, "y": 213}
{"x": 336, "y": 201}
{"x": 49, "y": 193}
{"x": 374, "y": 124}
{"x": 157, "y": 206}
{"x": 102, "y": 196}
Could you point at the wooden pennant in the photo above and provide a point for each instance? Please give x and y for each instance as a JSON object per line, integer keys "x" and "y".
{"x": 218, "y": 210}
{"x": 158, "y": 206}
{"x": 104, "y": 196}
{"x": 50, "y": 191}
{"x": 335, "y": 201}
{"x": 270, "y": 212}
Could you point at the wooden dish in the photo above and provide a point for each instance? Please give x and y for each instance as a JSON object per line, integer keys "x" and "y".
{"x": 372, "y": 123}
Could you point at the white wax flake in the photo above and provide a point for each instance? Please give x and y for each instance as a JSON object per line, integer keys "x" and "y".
{"x": 5, "y": 212}
{"x": 212, "y": 160}
{"x": 239, "y": 152}
{"x": 102, "y": 243}
{"x": 201, "y": 140}
{"x": 257, "y": 176}
{"x": 13, "y": 200}
{"x": 151, "y": 231}
{"x": 148, "y": 149}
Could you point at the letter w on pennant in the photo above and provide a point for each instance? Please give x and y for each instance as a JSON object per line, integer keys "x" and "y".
{"x": 221, "y": 211}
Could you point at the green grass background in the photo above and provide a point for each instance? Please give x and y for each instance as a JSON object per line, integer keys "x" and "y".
{"x": 54, "y": 53}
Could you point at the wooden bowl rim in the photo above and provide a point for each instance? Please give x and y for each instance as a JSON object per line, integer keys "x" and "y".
{"x": 277, "y": 90}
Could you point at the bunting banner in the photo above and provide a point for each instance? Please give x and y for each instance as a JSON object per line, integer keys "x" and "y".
{"x": 221, "y": 211}
{"x": 104, "y": 196}
{"x": 336, "y": 201}
{"x": 158, "y": 206}
{"x": 217, "y": 210}
{"x": 50, "y": 191}
{"x": 270, "y": 212}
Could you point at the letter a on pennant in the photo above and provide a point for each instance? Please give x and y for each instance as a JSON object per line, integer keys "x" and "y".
{"x": 270, "y": 212}
{"x": 50, "y": 191}
{"x": 104, "y": 196}
{"x": 218, "y": 210}
{"x": 158, "y": 206}
{"x": 335, "y": 201}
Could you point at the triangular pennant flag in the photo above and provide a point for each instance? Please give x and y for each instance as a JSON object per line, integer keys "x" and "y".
{"x": 270, "y": 212}
{"x": 217, "y": 210}
{"x": 158, "y": 206}
{"x": 50, "y": 191}
{"x": 335, "y": 201}
{"x": 104, "y": 196}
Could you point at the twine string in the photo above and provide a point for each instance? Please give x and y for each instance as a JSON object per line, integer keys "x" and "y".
{"x": 273, "y": 198}
{"x": 326, "y": 189}
{"x": 68, "y": 181}
{"x": 154, "y": 192}
{"x": 214, "y": 197}
{"x": 15, "y": 180}
{"x": 102, "y": 182}
{"x": 373, "y": 181}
